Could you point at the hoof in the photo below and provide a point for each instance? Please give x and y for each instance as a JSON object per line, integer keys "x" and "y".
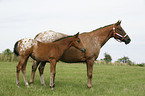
{"x": 52, "y": 87}
{"x": 18, "y": 86}
{"x": 43, "y": 84}
{"x": 27, "y": 85}
{"x": 89, "y": 86}
{"x": 31, "y": 82}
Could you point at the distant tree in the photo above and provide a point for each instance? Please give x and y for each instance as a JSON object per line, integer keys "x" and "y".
{"x": 107, "y": 58}
{"x": 141, "y": 64}
{"x": 124, "y": 60}
{"x": 7, "y": 52}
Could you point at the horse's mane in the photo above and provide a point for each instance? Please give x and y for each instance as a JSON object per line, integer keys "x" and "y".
{"x": 102, "y": 27}
{"x": 62, "y": 38}
{"x": 37, "y": 36}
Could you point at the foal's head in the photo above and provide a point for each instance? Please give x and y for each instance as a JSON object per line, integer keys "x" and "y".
{"x": 119, "y": 33}
{"x": 77, "y": 43}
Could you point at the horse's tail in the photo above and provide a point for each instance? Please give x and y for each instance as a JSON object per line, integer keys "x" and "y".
{"x": 16, "y": 48}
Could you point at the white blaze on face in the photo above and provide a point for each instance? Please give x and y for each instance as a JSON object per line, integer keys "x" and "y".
{"x": 49, "y": 36}
{"x": 26, "y": 44}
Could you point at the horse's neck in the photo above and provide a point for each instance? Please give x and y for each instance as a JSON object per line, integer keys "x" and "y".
{"x": 102, "y": 35}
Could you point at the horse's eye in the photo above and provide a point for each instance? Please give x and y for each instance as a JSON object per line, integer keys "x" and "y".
{"x": 120, "y": 29}
{"x": 78, "y": 41}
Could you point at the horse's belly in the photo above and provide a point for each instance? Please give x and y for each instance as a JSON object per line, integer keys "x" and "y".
{"x": 73, "y": 55}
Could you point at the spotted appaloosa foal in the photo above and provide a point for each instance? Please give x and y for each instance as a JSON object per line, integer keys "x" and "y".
{"x": 44, "y": 52}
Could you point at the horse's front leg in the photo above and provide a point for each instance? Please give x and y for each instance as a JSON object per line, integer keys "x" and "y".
{"x": 34, "y": 67}
{"x": 90, "y": 64}
{"x": 52, "y": 71}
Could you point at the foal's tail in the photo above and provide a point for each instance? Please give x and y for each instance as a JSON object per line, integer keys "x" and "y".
{"x": 16, "y": 48}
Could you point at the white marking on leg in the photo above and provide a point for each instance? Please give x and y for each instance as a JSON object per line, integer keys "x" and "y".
{"x": 51, "y": 80}
{"x": 26, "y": 83}
{"x": 42, "y": 80}
{"x": 17, "y": 82}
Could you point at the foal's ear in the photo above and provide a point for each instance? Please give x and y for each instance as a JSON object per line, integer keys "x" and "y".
{"x": 77, "y": 35}
{"x": 118, "y": 23}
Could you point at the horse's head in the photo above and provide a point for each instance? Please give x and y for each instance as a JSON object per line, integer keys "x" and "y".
{"x": 119, "y": 33}
{"x": 77, "y": 43}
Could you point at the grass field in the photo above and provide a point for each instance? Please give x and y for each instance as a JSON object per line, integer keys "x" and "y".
{"x": 71, "y": 80}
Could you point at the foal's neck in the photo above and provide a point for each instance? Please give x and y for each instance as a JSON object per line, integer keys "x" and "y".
{"x": 64, "y": 43}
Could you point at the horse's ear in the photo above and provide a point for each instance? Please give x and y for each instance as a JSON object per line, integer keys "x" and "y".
{"x": 77, "y": 35}
{"x": 118, "y": 23}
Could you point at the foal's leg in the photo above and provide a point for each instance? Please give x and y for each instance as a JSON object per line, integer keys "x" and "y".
{"x": 34, "y": 67}
{"x": 90, "y": 64}
{"x": 53, "y": 71}
{"x": 18, "y": 68}
{"x": 24, "y": 71}
{"x": 41, "y": 70}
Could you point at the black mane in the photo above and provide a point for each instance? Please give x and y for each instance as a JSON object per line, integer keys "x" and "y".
{"x": 37, "y": 36}
{"x": 102, "y": 27}
{"x": 62, "y": 38}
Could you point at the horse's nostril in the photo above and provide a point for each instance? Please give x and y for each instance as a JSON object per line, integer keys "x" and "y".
{"x": 129, "y": 39}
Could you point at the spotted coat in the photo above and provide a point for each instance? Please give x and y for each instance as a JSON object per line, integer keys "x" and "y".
{"x": 47, "y": 36}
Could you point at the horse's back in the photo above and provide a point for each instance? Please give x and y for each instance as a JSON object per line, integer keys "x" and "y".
{"x": 49, "y": 36}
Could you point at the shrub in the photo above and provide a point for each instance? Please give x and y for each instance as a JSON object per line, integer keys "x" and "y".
{"x": 141, "y": 65}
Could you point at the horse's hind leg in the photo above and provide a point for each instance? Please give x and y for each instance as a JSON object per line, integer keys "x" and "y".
{"x": 34, "y": 67}
{"x": 41, "y": 70}
{"x": 18, "y": 68}
{"x": 24, "y": 71}
{"x": 53, "y": 72}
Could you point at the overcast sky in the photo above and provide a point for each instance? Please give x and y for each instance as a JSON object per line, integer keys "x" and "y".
{"x": 22, "y": 19}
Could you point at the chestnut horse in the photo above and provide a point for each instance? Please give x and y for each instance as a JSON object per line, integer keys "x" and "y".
{"x": 93, "y": 41}
{"x": 44, "y": 52}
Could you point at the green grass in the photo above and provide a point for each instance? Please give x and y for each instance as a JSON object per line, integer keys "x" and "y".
{"x": 71, "y": 80}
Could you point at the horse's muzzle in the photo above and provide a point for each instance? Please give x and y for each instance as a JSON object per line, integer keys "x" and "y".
{"x": 127, "y": 40}
{"x": 83, "y": 50}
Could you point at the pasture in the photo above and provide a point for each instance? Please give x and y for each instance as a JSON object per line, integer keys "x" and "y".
{"x": 108, "y": 80}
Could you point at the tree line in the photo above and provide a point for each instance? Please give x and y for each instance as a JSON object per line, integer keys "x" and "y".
{"x": 8, "y": 55}
{"x": 107, "y": 58}
{"x": 125, "y": 60}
